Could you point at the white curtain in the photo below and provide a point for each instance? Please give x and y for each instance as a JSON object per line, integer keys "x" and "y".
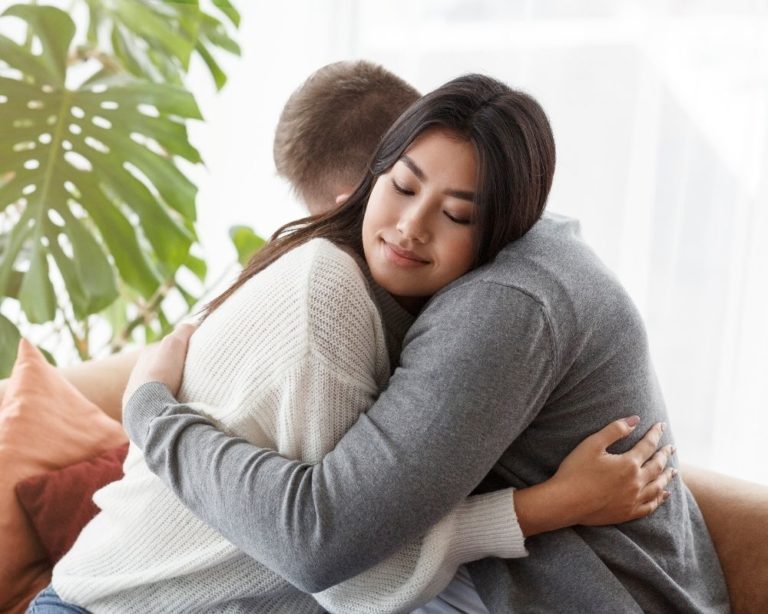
{"x": 660, "y": 111}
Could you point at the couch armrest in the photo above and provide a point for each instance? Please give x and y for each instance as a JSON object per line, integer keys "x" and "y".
{"x": 736, "y": 513}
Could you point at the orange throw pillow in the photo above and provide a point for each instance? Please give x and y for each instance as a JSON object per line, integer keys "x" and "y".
{"x": 45, "y": 424}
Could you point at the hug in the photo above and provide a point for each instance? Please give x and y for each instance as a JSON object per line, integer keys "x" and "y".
{"x": 428, "y": 396}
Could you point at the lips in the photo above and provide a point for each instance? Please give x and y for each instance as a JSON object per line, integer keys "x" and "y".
{"x": 402, "y": 257}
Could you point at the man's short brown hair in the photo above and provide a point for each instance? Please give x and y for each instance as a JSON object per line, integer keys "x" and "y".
{"x": 331, "y": 125}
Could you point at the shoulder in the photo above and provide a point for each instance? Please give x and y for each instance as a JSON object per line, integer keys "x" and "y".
{"x": 333, "y": 275}
{"x": 549, "y": 281}
{"x": 343, "y": 320}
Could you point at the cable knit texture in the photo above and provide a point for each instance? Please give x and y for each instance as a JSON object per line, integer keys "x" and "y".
{"x": 288, "y": 362}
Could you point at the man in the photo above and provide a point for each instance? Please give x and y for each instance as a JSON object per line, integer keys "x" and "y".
{"x": 501, "y": 376}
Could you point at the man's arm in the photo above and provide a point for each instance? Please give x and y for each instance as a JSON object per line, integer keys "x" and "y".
{"x": 477, "y": 367}
{"x": 101, "y": 381}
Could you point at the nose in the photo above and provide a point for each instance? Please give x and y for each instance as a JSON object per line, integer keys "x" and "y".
{"x": 414, "y": 224}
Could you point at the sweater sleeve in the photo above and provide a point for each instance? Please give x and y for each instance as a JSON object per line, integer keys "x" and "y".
{"x": 479, "y": 527}
{"x": 476, "y": 368}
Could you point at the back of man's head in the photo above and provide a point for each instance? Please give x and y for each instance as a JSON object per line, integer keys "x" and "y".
{"x": 330, "y": 126}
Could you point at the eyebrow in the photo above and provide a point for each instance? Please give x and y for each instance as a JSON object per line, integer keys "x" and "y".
{"x": 462, "y": 194}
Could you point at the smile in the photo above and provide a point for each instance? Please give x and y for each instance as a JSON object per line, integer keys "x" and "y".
{"x": 401, "y": 257}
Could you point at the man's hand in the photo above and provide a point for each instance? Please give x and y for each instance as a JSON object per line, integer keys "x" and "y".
{"x": 162, "y": 363}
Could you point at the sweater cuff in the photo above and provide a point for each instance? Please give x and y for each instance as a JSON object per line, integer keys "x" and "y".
{"x": 489, "y": 528}
{"x": 147, "y": 403}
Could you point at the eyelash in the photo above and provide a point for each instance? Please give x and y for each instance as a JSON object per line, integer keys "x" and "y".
{"x": 401, "y": 190}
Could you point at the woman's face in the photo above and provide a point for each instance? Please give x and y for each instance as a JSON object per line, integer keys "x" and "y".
{"x": 418, "y": 230}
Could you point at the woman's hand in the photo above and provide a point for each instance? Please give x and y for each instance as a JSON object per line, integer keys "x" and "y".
{"x": 163, "y": 362}
{"x": 594, "y": 487}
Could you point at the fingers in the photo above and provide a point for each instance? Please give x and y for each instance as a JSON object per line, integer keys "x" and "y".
{"x": 618, "y": 429}
{"x": 646, "y": 447}
{"x": 657, "y": 463}
{"x": 180, "y": 334}
{"x": 655, "y": 493}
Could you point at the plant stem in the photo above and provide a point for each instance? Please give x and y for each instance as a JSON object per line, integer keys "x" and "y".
{"x": 144, "y": 317}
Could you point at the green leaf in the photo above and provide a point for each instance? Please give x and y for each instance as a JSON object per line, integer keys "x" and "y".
{"x": 197, "y": 266}
{"x": 156, "y": 29}
{"x": 246, "y": 242}
{"x": 12, "y": 247}
{"x": 94, "y": 271}
{"x": 213, "y": 31}
{"x": 120, "y": 237}
{"x": 54, "y": 29}
{"x": 189, "y": 298}
{"x": 36, "y": 293}
{"x": 68, "y": 271}
{"x": 21, "y": 59}
{"x": 68, "y": 151}
{"x": 9, "y": 343}
{"x": 219, "y": 76}
{"x": 48, "y": 356}
{"x": 14, "y": 284}
{"x": 154, "y": 39}
{"x": 225, "y": 6}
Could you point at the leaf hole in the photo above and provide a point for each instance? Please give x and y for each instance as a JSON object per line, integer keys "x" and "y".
{"x": 71, "y": 188}
{"x": 44, "y": 241}
{"x": 23, "y": 123}
{"x": 45, "y": 138}
{"x": 75, "y": 129}
{"x": 101, "y": 122}
{"x": 96, "y": 144}
{"x": 51, "y": 120}
{"x": 99, "y": 88}
{"x": 24, "y": 146}
{"x": 66, "y": 145}
{"x": 31, "y": 165}
{"x": 78, "y": 161}
{"x": 149, "y": 110}
{"x": 56, "y": 218}
{"x": 48, "y": 89}
{"x": 66, "y": 246}
{"x": 3, "y": 99}
{"x": 109, "y": 105}
{"x": 148, "y": 142}
{"x": 29, "y": 189}
{"x": 35, "y": 104}
{"x": 77, "y": 112}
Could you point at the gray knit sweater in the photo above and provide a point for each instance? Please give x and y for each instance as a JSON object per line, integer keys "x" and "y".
{"x": 503, "y": 373}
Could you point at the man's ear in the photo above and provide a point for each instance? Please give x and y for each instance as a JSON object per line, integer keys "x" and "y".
{"x": 341, "y": 199}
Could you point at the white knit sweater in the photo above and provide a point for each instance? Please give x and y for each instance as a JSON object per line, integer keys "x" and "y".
{"x": 288, "y": 362}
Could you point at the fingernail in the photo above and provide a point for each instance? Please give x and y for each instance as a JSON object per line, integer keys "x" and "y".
{"x": 675, "y": 472}
{"x": 666, "y": 495}
{"x": 663, "y": 426}
{"x": 632, "y": 421}
{"x": 674, "y": 449}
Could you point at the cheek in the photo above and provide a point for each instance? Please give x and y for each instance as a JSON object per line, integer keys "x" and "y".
{"x": 460, "y": 253}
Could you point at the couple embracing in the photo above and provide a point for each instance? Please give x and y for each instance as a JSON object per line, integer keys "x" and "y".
{"x": 432, "y": 397}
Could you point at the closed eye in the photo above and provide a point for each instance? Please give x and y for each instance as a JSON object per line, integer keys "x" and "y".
{"x": 457, "y": 220}
{"x": 401, "y": 190}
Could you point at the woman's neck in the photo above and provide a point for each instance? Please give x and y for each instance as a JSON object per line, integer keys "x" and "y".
{"x": 412, "y": 304}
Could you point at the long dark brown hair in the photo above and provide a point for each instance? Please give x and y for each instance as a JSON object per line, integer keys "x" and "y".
{"x": 515, "y": 161}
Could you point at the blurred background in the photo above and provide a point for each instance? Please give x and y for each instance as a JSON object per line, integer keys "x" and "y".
{"x": 660, "y": 114}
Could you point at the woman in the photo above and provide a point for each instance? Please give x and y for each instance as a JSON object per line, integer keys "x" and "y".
{"x": 298, "y": 347}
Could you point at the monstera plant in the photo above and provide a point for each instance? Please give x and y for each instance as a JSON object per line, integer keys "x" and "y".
{"x": 97, "y": 216}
